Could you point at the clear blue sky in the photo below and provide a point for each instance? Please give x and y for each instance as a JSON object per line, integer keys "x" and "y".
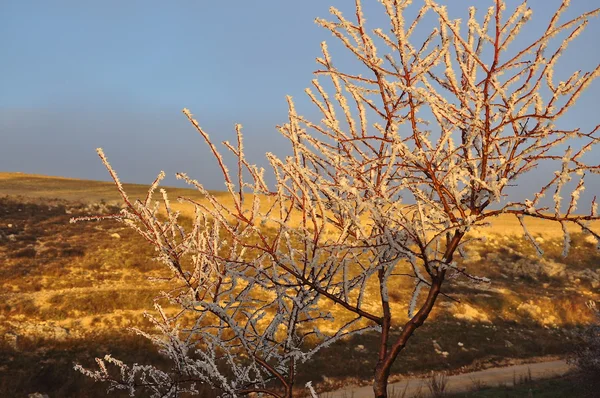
{"x": 76, "y": 75}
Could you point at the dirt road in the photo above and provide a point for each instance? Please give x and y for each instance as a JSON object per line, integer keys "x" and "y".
{"x": 464, "y": 382}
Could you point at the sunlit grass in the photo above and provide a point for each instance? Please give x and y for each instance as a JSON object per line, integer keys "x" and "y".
{"x": 88, "y": 281}
{"x": 87, "y": 191}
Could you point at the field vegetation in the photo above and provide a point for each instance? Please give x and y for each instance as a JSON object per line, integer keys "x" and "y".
{"x": 70, "y": 291}
{"x": 570, "y": 385}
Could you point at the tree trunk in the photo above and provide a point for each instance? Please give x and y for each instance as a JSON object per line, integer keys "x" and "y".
{"x": 384, "y": 365}
{"x": 380, "y": 384}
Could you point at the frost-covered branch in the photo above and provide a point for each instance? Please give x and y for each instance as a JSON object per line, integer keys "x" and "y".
{"x": 410, "y": 156}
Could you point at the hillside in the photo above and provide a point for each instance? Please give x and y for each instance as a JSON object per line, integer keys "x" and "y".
{"x": 90, "y": 192}
{"x": 68, "y": 293}
{"x": 75, "y": 190}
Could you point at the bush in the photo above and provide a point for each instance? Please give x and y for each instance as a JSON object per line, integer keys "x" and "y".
{"x": 586, "y": 356}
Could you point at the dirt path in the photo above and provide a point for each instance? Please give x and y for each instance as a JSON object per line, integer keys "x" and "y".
{"x": 464, "y": 382}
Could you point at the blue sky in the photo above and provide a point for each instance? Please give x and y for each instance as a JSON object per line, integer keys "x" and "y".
{"x": 76, "y": 75}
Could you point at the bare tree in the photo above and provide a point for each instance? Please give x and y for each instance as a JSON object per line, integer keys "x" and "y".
{"x": 242, "y": 322}
{"x": 455, "y": 120}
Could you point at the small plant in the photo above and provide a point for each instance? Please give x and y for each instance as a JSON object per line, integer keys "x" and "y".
{"x": 478, "y": 384}
{"x": 522, "y": 379}
{"x": 401, "y": 392}
{"x": 437, "y": 383}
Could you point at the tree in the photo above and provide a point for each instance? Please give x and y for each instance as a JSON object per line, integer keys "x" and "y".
{"x": 455, "y": 121}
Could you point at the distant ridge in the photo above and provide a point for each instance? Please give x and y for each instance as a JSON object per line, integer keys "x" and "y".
{"x": 78, "y": 190}
{"x": 91, "y": 191}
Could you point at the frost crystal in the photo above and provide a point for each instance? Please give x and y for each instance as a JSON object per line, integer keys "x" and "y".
{"x": 411, "y": 155}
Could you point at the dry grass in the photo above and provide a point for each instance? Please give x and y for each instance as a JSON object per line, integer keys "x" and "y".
{"x": 74, "y": 190}
{"x": 570, "y": 385}
{"x": 83, "y": 284}
{"x": 88, "y": 191}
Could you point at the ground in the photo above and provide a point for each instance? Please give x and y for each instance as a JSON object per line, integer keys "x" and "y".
{"x": 69, "y": 293}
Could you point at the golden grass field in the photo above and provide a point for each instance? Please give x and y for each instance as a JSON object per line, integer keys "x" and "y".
{"x": 68, "y": 292}
{"x": 87, "y": 191}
